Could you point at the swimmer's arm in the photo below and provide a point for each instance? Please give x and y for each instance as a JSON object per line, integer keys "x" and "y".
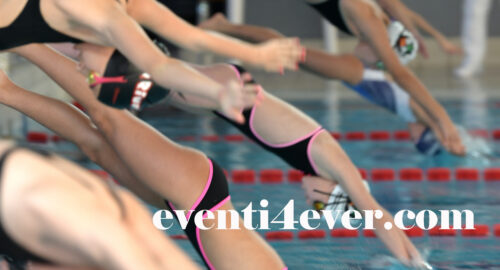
{"x": 35, "y": 266}
{"x": 443, "y": 41}
{"x": 250, "y": 33}
{"x": 164, "y": 22}
{"x": 115, "y": 28}
{"x": 345, "y": 67}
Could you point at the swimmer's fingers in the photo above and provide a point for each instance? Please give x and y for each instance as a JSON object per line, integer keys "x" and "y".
{"x": 232, "y": 100}
{"x": 452, "y": 141}
{"x": 280, "y": 54}
{"x": 251, "y": 95}
{"x": 416, "y": 259}
{"x": 247, "y": 78}
{"x": 251, "y": 87}
{"x": 456, "y": 145}
{"x": 294, "y": 53}
{"x": 451, "y": 48}
{"x": 449, "y": 137}
{"x": 420, "y": 265}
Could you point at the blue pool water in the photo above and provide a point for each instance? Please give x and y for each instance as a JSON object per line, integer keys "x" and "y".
{"x": 361, "y": 253}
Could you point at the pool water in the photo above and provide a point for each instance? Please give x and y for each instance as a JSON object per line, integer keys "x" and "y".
{"x": 365, "y": 253}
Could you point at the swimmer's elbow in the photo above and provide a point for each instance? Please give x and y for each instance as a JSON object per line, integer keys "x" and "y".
{"x": 158, "y": 68}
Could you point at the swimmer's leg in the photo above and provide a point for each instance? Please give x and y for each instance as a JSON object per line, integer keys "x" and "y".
{"x": 150, "y": 156}
{"x": 242, "y": 244}
{"x": 71, "y": 124}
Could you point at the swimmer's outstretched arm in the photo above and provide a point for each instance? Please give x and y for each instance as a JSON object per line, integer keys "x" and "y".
{"x": 36, "y": 266}
{"x": 443, "y": 41}
{"x": 341, "y": 67}
{"x": 273, "y": 56}
{"x": 107, "y": 23}
{"x": 59, "y": 68}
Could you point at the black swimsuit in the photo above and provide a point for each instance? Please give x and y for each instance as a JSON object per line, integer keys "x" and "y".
{"x": 12, "y": 252}
{"x": 30, "y": 27}
{"x": 331, "y": 11}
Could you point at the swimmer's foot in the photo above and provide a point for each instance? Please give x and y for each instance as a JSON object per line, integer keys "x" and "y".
{"x": 215, "y": 23}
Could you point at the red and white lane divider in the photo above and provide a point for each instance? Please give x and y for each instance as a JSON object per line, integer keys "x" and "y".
{"x": 277, "y": 176}
{"x": 480, "y": 231}
{"x": 376, "y": 135}
{"x": 41, "y": 137}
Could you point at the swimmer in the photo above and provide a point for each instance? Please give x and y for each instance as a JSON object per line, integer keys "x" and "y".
{"x": 59, "y": 214}
{"x": 301, "y": 142}
{"x": 159, "y": 171}
{"x": 372, "y": 84}
{"x": 107, "y": 23}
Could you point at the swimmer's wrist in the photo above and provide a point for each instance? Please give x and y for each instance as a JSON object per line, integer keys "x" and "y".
{"x": 258, "y": 56}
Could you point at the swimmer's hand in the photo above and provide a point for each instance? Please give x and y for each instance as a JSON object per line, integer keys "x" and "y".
{"x": 416, "y": 261}
{"x": 234, "y": 97}
{"x": 449, "y": 136}
{"x": 449, "y": 47}
{"x": 279, "y": 54}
